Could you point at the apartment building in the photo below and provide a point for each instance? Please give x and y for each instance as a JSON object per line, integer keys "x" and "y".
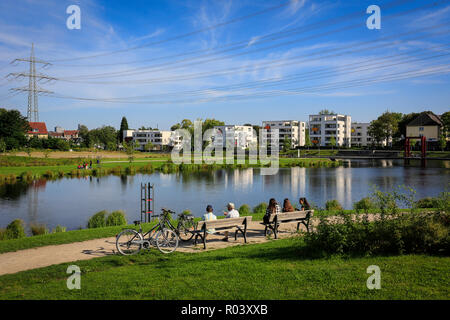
{"x": 158, "y": 138}
{"x": 323, "y": 127}
{"x": 293, "y": 130}
{"x": 238, "y": 136}
{"x": 360, "y": 137}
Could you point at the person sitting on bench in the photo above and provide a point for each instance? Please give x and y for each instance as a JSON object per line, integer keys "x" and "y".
{"x": 232, "y": 213}
{"x": 273, "y": 207}
{"x": 209, "y": 216}
{"x": 287, "y": 206}
{"x": 304, "y": 204}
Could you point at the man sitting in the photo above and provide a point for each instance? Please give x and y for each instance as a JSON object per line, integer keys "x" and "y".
{"x": 232, "y": 213}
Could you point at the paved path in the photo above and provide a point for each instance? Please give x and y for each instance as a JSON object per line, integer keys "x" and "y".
{"x": 12, "y": 262}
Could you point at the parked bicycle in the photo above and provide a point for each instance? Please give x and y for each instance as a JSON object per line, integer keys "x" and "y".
{"x": 130, "y": 241}
{"x": 185, "y": 226}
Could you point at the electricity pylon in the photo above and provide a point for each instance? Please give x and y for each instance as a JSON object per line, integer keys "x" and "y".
{"x": 32, "y": 89}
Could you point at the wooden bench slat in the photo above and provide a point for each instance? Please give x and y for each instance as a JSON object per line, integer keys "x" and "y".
{"x": 230, "y": 222}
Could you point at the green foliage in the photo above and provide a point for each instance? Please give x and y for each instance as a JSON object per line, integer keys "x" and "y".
{"x": 333, "y": 205}
{"x": 15, "y": 230}
{"x": 123, "y": 126}
{"x": 38, "y": 229}
{"x": 13, "y": 127}
{"x": 98, "y": 220}
{"x": 428, "y": 202}
{"x": 116, "y": 218}
{"x": 245, "y": 210}
{"x": 425, "y": 233}
{"x": 59, "y": 228}
{"x": 187, "y": 212}
{"x": 364, "y": 205}
{"x": 388, "y": 202}
{"x": 260, "y": 208}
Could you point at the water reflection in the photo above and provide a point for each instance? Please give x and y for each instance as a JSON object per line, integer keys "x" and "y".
{"x": 70, "y": 202}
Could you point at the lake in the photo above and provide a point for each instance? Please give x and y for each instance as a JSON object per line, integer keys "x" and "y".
{"x": 70, "y": 202}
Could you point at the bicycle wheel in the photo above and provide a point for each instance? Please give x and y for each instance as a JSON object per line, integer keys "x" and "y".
{"x": 128, "y": 242}
{"x": 184, "y": 230}
{"x": 167, "y": 241}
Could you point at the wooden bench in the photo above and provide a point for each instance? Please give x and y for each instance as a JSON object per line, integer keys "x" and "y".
{"x": 240, "y": 224}
{"x": 301, "y": 217}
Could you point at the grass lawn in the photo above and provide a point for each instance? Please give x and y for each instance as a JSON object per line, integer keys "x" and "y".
{"x": 273, "y": 270}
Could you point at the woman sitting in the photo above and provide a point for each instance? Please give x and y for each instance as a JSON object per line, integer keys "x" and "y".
{"x": 272, "y": 208}
{"x": 209, "y": 216}
{"x": 287, "y": 207}
{"x": 304, "y": 204}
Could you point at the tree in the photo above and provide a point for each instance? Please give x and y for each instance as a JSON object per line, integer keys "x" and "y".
{"x": 2, "y": 146}
{"x": 307, "y": 139}
{"x": 442, "y": 141}
{"x": 13, "y": 128}
{"x": 123, "y": 127}
{"x": 149, "y": 146}
{"x": 130, "y": 149}
{"x": 385, "y": 127}
{"x": 445, "y": 117}
{"x": 84, "y": 135}
{"x": 326, "y": 111}
{"x": 175, "y": 127}
{"x": 332, "y": 142}
{"x": 286, "y": 144}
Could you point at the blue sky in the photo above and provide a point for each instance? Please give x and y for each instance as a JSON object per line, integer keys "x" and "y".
{"x": 158, "y": 62}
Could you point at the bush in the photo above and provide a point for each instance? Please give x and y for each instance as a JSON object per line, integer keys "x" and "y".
{"x": 116, "y": 218}
{"x": 59, "y": 228}
{"x": 3, "y": 234}
{"x": 260, "y": 208}
{"x": 38, "y": 229}
{"x": 427, "y": 203}
{"x": 15, "y": 230}
{"x": 187, "y": 212}
{"x": 410, "y": 233}
{"x": 98, "y": 220}
{"x": 245, "y": 210}
{"x": 333, "y": 205}
{"x": 364, "y": 205}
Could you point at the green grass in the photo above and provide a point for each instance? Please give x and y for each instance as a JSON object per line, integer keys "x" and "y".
{"x": 273, "y": 270}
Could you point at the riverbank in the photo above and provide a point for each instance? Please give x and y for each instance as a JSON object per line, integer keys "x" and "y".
{"x": 282, "y": 263}
{"x": 61, "y": 168}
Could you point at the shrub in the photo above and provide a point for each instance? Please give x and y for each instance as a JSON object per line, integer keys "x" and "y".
{"x": 187, "y": 212}
{"x": 364, "y": 205}
{"x": 260, "y": 208}
{"x": 38, "y": 229}
{"x": 98, "y": 220}
{"x": 59, "y": 228}
{"x": 245, "y": 210}
{"x": 333, "y": 205}
{"x": 116, "y": 218}
{"x": 409, "y": 233}
{"x": 15, "y": 230}
{"x": 3, "y": 234}
{"x": 427, "y": 203}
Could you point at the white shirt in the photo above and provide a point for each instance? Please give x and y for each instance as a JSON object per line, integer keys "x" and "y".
{"x": 233, "y": 213}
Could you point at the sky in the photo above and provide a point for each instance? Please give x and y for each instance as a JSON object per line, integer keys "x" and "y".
{"x": 157, "y": 62}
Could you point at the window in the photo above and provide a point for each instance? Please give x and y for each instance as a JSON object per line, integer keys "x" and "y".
{"x": 420, "y": 128}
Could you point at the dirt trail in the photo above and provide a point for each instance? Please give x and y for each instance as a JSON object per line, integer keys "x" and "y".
{"x": 12, "y": 262}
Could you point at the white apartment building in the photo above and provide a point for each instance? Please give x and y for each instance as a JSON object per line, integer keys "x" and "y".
{"x": 238, "y": 136}
{"x": 360, "y": 137}
{"x": 158, "y": 138}
{"x": 294, "y": 130}
{"x": 322, "y": 127}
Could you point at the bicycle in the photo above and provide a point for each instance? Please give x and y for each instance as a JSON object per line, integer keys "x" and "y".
{"x": 130, "y": 241}
{"x": 185, "y": 226}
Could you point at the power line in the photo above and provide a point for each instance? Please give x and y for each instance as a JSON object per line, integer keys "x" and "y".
{"x": 276, "y": 62}
{"x": 173, "y": 64}
{"x": 269, "y": 37}
{"x": 185, "y": 35}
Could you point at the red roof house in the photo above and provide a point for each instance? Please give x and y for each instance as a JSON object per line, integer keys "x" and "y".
{"x": 38, "y": 129}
